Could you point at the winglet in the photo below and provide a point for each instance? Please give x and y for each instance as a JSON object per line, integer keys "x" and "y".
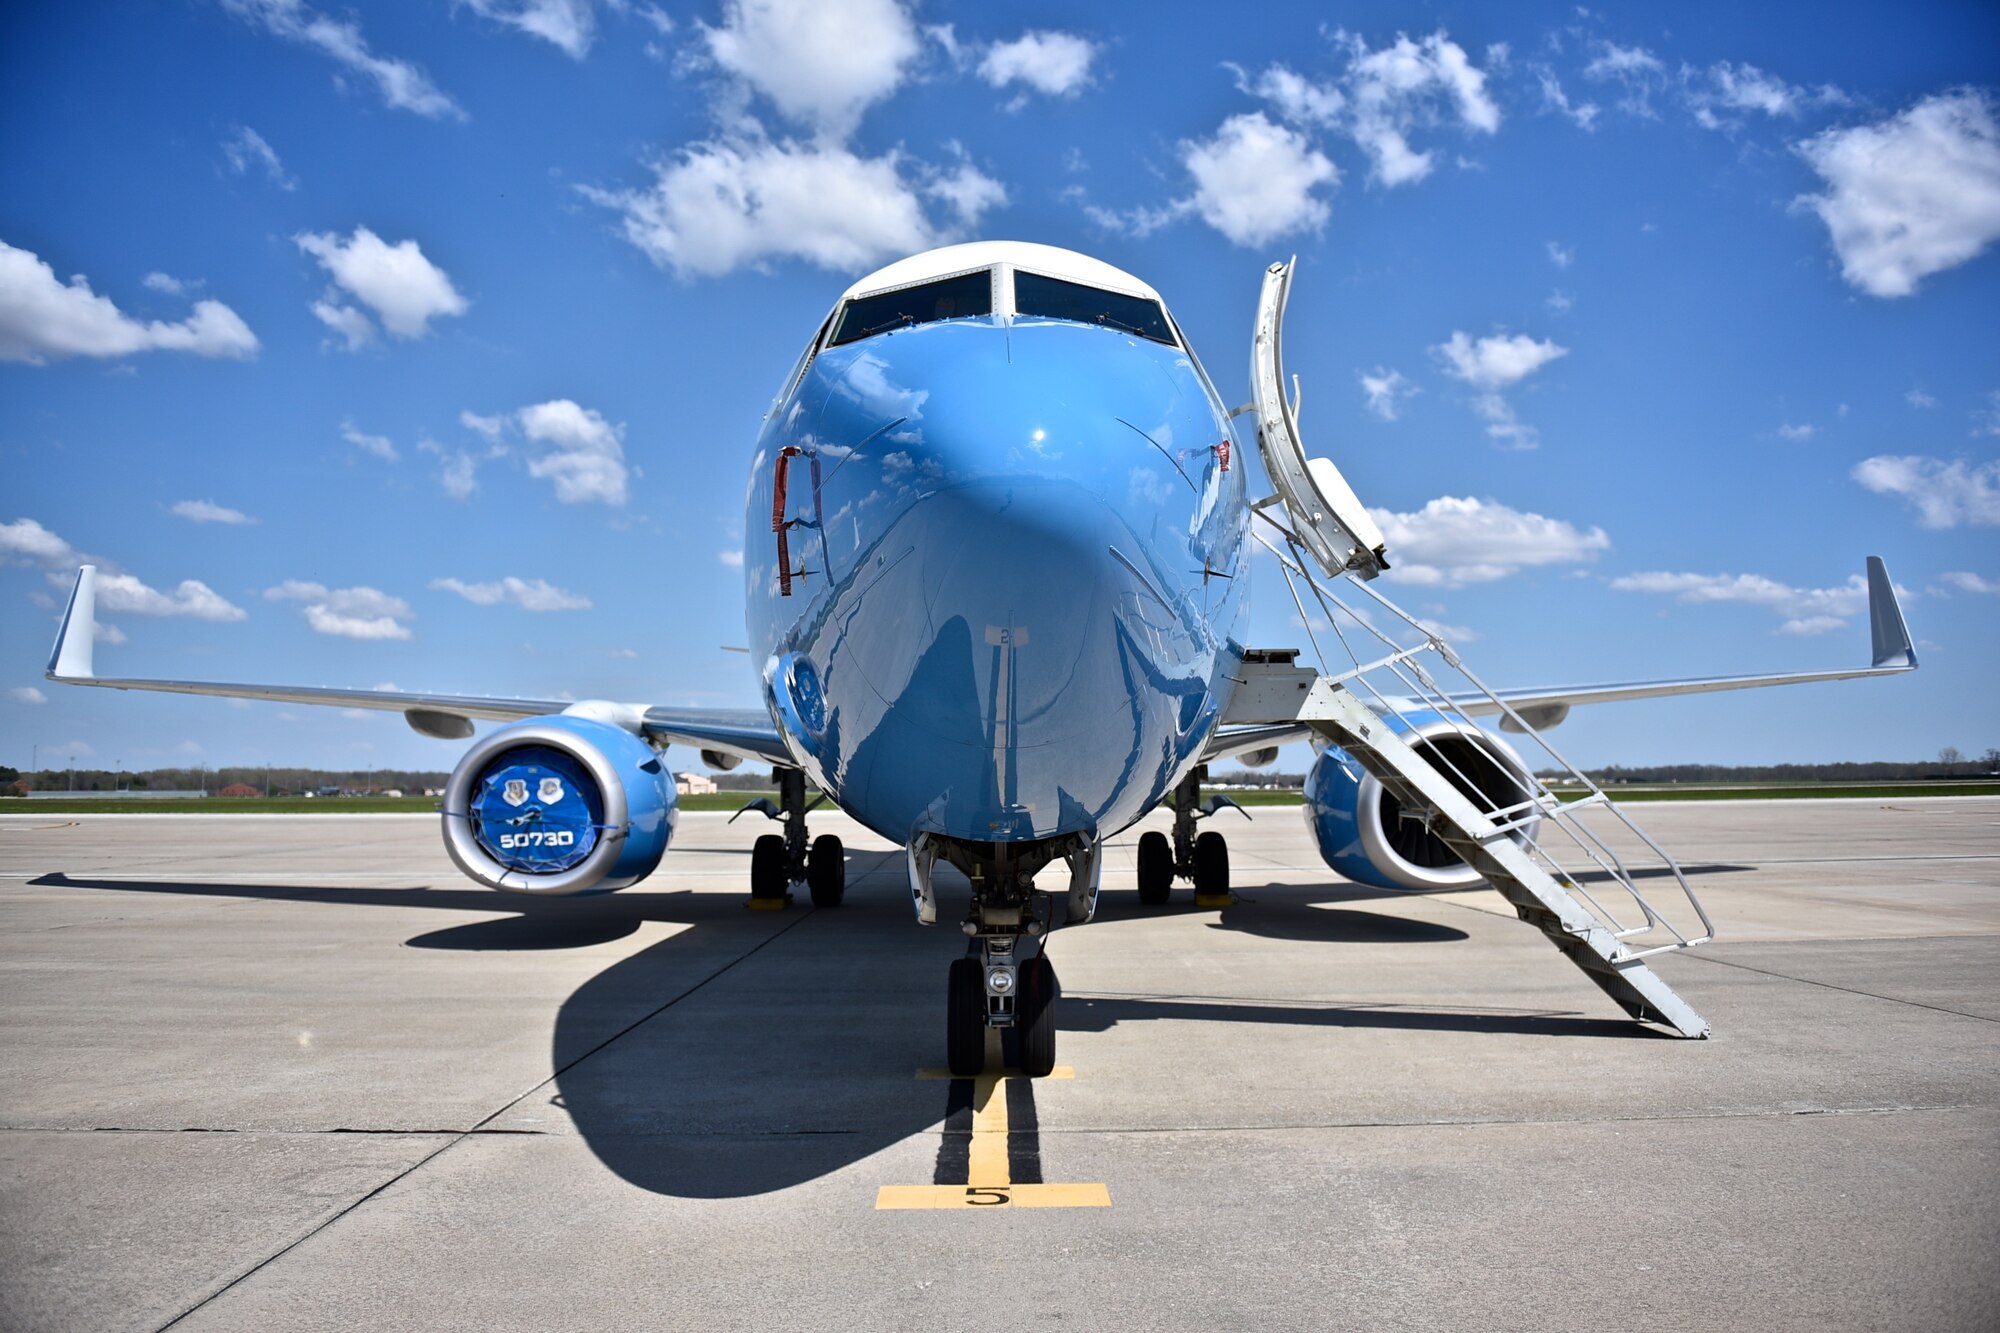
{"x": 70, "y": 659}
{"x": 1885, "y": 619}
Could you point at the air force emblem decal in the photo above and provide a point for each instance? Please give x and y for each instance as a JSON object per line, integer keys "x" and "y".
{"x": 515, "y": 792}
{"x": 550, "y": 791}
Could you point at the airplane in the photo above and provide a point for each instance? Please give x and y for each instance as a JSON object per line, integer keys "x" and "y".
{"x": 1000, "y": 540}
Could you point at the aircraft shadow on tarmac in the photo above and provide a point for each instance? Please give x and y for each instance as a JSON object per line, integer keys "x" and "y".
{"x": 806, "y": 1079}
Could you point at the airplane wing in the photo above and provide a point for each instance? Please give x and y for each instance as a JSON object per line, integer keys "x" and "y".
{"x": 1544, "y": 707}
{"x": 746, "y": 732}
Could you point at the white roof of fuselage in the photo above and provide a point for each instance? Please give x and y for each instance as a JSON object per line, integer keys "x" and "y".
{"x": 1047, "y": 259}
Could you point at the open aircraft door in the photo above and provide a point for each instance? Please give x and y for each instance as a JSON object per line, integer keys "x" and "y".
{"x": 1325, "y": 514}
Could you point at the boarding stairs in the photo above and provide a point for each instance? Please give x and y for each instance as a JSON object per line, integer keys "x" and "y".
{"x": 1394, "y": 686}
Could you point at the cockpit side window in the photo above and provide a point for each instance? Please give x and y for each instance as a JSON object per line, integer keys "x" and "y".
{"x": 1056, "y": 299}
{"x": 947, "y": 298}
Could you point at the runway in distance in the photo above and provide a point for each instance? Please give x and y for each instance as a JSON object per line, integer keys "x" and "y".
{"x": 998, "y": 558}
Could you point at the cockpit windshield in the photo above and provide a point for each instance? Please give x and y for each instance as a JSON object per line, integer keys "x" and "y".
{"x": 947, "y": 298}
{"x": 1056, "y": 299}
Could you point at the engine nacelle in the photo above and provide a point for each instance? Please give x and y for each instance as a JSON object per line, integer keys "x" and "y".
{"x": 1359, "y": 826}
{"x": 1263, "y": 758}
{"x": 557, "y": 806}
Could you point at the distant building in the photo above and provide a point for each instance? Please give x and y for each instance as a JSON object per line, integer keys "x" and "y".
{"x": 240, "y": 789}
{"x": 693, "y": 784}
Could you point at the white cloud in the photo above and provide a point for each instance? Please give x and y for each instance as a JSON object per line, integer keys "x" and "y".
{"x": 731, "y": 556}
{"x": 107, "y": 633}
{"x": 1054, "y": 63}
{"x": 1559, "y": 301}
{"x": 207, "y": 511}
{"x": 1987, "y": 422}
{"x": 405, "y": 290}
{"x": 529, "y": 595}
{"x": 1806, "y": 610}
{"x": 247, "y": 151}
{"x": 42, "y": 319}
{"x": 1797, "y": 430}
{"x": 1636, "y": 71}
{"x": 1724, "y": 88}
{"x": 1555, "y": 99}
{"x": 124, "y": 593}
{"x": 1918, "y": 399}
{"x": 401, "y": 84}
{"x": 1490, "y": 365}
{"x": 348, "y": 613}
{"x": 1496, "y": 361}
{"x": 490, "y": 427}
{"x": 167, "y": 284}
{"x": 1402, "y": 86}
{"x": 28, "y": 542}
{"x": 1560, "y": 257}
{"x": 1944, "y": 494}
{"x": 745, "y": 200}
{"x": 1292, "y": 95}
{"x": 820, "y": 62}
{"x": 353, "y": 326}
{"x": 1384, "y": 390}
{"x": 1967, "y": 582}
{"x": 585, "y": 460}
{"x": 27, "y": 694}
{"x": 459, "y": 474}
{"x": 1451, "y": 541}
{"x": 568, "y": 24}
{"x": 1255, "y": 181}
{"x": 379, "y": 445}
{"x": 1912, "y": 195}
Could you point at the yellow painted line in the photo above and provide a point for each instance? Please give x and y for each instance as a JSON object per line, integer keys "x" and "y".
{"x": 769, "y": 904}
{"x": 987, "y": 1157}
{"x": 992, "y": 1196}
{"x": 940, "y": 1075}
{"x": 1213, "y": 900}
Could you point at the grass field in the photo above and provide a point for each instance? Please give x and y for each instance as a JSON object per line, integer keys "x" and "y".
{"x": 730, "y": 800}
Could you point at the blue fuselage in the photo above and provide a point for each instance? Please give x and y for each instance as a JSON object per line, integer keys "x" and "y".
{"x": 1018, "y": 560}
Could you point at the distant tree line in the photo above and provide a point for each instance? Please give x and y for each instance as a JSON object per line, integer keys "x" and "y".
{"x": 1949, "y": 764}
{"x": 280, "y": 781}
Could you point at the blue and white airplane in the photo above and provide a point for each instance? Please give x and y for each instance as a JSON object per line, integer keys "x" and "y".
{"x": 997, "y": 566}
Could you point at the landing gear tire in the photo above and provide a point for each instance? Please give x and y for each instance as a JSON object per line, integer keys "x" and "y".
{"x": 965, "y": 1019}
{"x": 1211, "y": 864}
{"x": 767, "y": 867}
{"x": 1156, "y": 868}
{"x": 826, "y": 871}
{"x": 1035, "y": 1016}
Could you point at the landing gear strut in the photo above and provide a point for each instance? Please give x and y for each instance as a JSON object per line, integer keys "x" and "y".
{"x": 778, "y": 862}
{"x": 1006, "y": 981}
{"x": 1202, "y": 859}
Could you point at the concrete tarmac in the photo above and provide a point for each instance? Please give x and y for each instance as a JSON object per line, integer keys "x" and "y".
{"x": 293, "y": 1072}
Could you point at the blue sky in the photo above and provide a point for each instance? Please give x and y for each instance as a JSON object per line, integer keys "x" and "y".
{"x": 424, "y": 344}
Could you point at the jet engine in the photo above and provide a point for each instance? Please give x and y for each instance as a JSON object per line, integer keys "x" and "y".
{"x": 557, "y": 806}
{"x": 1360, "y": 827}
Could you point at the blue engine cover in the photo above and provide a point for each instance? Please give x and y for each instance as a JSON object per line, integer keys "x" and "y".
{"x": 1333, "y": 790}
{"x": 561, "y": 805}
{"x": 1359, "y": 828}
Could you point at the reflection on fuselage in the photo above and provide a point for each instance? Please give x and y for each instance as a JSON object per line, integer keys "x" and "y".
{"x": 1015, "y": 584}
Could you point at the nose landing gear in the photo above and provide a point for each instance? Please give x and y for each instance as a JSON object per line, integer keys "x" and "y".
{"x": 1005, "y": 982}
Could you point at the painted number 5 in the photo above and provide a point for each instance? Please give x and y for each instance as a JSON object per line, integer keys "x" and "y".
{"x": 984, "y": 1196}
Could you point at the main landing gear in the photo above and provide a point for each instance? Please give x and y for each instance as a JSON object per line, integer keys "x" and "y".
{"x": 1203, "y": 859}
{"x": 781, "y": 862}
{"x": 1006, "y": 981}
